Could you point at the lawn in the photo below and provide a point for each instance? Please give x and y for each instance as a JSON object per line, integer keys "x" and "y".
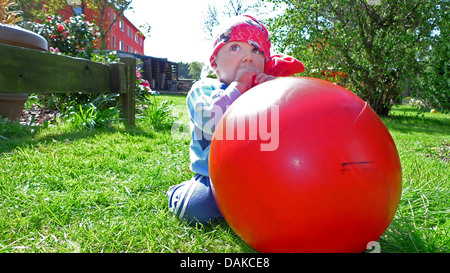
{"x": 103, "y": 190}
{"x": 422, "y": 220}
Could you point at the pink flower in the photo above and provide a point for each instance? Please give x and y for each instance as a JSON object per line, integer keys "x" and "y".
{"x": 145, "y": 83}
{"x": 54, "y": 50}
{"x": 60, "y": 28}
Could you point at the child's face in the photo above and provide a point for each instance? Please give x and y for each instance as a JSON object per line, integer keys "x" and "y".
{"x": 234, "y": 55}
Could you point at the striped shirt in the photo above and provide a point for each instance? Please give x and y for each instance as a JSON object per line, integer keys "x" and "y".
{"x": 206, "y": 101}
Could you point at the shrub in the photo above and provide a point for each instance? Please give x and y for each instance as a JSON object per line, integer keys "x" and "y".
{"x": 74, "y": 37}
{"x": 11, "y": 129}
{"x": 8, "y": 15}
{"x": 142, "y": 87}
{"x": 158, "y": 116}
{"x": 96, "y": 114}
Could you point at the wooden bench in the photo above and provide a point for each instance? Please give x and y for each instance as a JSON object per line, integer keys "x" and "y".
{"x": 26, "y": 71}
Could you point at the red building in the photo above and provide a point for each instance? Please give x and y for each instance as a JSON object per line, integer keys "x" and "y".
{"x": 123, "y": 35}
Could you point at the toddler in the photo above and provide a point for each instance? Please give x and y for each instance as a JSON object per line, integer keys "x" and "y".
{"x": 241, "y": 60}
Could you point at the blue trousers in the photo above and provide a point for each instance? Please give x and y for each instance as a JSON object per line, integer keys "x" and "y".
{"x": 193, "y": 201}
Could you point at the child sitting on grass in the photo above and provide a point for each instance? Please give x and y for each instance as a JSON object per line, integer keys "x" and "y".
{"x": 241, "y": 60}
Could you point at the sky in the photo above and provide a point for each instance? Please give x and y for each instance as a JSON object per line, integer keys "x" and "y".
{"x": 176, "y": 28}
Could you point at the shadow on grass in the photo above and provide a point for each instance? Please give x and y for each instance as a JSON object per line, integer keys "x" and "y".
{"x": 403, "y": 236}
{"x": 410, "y": 120}
{"x": 13, "y": 135}
{"x": 231, "y": 235}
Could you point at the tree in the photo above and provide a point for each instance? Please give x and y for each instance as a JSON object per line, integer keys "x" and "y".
{"x": 434, "y": 82}
{"x": 380, "y": 44}
{"x": 192, "y": 70}
{"x": 183, "y": 70}
{"x": 213, "y": 18}
{"x": 34, "y": 9}
{"x": 195, "y": 70}
{"x": 99, "y": 8}
{"x": 8, "y": 14}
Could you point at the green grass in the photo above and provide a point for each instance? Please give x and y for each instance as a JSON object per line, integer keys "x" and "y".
{"x": 103, "y": 190}
{"x": 422, "y": 221}
{"x": 64, "y": 189}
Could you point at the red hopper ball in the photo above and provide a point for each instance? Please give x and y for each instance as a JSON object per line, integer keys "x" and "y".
{"x": 303, "y": 165}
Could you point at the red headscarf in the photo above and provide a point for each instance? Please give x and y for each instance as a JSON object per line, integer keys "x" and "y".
{"x": 247, "y": 29}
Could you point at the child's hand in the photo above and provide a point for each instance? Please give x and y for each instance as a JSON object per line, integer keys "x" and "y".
{"x": 245, "y": 77}
{"x": 248, "y": 77}
{"x": 261, "y": 78}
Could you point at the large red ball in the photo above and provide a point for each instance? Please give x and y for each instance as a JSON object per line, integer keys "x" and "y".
{"x": 303, "y": 165}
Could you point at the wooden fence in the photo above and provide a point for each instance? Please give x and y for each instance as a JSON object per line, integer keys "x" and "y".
{"x": 25, "y": 71}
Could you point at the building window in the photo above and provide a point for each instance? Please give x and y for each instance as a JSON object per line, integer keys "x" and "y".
{"x": 128, "y": 48}
{"x": 121, "y": 25}
{"x": 128, "y": 31}
{"x": 131, "y": 49}
{"x": 113, "y": 16}
{"x": 114, "y": 41}
{"x": 136, "y": 38}
{"x": 121, "y": 45}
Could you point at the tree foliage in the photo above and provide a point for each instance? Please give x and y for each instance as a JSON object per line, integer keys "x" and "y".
{"x": 192, "y": 70}
{"x": 214, "y": 16}
{"x": 35, "y": 9}
{"x": 8, "y": 13}
{"x": 434, "y": 83}
{"x": 100, "y": 8}
{"x": 195, "y": 70}
{"x": 382, "y": 45}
